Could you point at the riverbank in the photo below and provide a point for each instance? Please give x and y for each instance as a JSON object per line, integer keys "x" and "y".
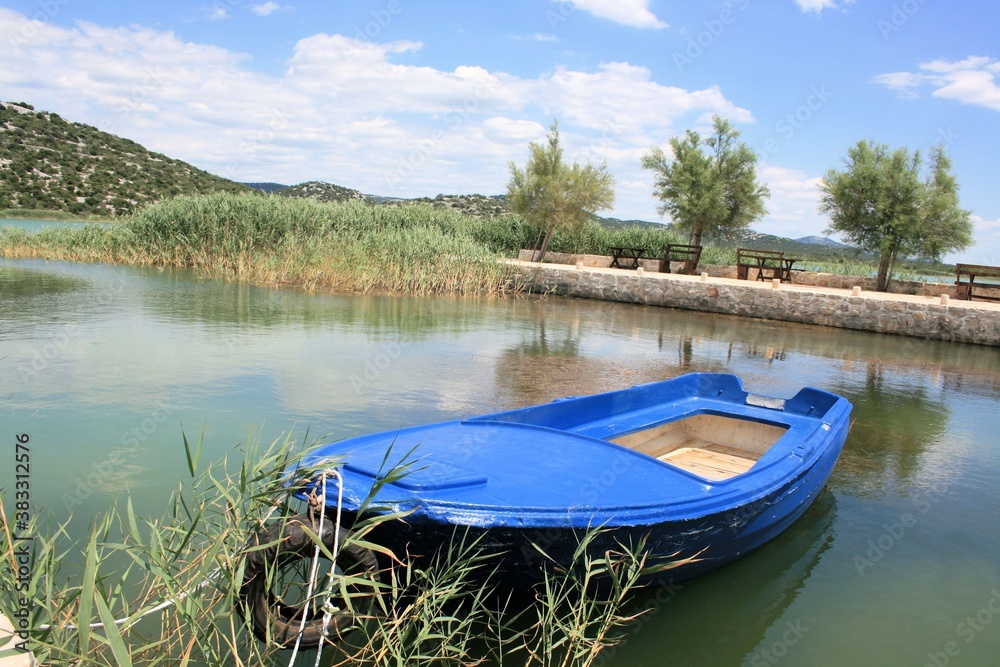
{"x": 930, "y": 317}
{"x": 41, "y": 214}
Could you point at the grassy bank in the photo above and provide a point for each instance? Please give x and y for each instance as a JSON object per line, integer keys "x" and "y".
{"x": 173, "y": 582}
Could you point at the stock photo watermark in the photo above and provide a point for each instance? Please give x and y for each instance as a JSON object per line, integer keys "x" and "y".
{"x": 47, "y": 10}
{"x": 279, "y": 120}
{"x": 899, "y": 17}
{"x": 375, "y": 366}
{"x": 44, "y": 355}
{"x": 772, "y": 655}
{"x": 968, "y": 629}
{"x": 102, "y": 472}
{"x": 21, "y": 553}
{"x": 454, "y": 118}
{"x": 893, "y": 532}
{"x": 712, "y": 29}
{"x": 796, "y": 119}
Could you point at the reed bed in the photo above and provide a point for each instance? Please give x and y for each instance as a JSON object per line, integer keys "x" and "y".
{"x": 414, "y": 248}
{"x": 192, "y": 558}
{"x": 350, "y": 247}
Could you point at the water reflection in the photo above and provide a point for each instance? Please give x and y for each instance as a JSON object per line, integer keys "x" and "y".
{"x": 894, "y": 424}
{"x": 106, "y": 348}
{"x": 745, "y": 601}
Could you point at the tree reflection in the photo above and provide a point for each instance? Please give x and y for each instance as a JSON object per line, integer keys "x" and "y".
{"x": 893, "y": 424}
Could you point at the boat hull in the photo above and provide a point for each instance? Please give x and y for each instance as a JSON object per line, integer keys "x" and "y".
{"x": 685, "y": 523}
{"x": 697, "y": 546}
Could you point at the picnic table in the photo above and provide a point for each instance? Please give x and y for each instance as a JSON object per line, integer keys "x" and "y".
{"x": 770, "y": 264}
{"x": 632, "y": 255}
{"x": 963, "y": 290}
{"x": 679, "y": 252}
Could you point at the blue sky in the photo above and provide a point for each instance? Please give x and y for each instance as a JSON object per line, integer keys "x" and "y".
{"x": 405, "y": 98}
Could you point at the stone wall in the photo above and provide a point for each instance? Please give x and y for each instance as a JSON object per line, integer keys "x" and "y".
{"x": 931, "y": 320}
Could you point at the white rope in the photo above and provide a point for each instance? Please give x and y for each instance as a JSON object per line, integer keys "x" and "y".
{"x": 327, "y": 611}
{"x": 315, "y": 563}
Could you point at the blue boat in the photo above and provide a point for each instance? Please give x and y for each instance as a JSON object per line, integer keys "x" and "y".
{"x": 695, "y": 468}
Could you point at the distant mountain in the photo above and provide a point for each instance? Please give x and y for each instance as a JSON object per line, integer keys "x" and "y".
{"x": 266, "y": 187}
{"x": 822, "y": 240}
{"x": 475, "y": 205}
{"x": 321, "y": 191}
{"x": 49, "y": 163}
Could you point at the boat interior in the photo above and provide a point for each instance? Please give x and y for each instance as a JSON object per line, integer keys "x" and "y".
{"x": 711, "y": 446}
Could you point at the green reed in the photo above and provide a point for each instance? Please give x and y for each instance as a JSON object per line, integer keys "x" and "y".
{"x": 439, "y": 612}
{"x": 350, "y": 246}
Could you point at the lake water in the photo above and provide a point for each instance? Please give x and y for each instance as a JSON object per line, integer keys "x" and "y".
{"x": 898, "y": 563}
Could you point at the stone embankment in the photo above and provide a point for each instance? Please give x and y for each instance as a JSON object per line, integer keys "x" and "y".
{"x": 934, "y": 317}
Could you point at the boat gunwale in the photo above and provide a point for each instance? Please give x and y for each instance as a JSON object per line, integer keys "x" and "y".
{"x": 721, "y": 496}
{"x": 808, "y": 438}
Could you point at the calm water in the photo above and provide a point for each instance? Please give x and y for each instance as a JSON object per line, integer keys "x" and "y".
{"x": 897, "y": 564}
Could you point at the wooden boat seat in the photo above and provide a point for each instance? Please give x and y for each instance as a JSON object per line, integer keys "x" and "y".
{"x": 709, "y": 446}
{"x": 714, "y": 462}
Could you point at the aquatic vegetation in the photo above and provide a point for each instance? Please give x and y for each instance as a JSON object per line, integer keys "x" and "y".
{"x": 173, "y": 584}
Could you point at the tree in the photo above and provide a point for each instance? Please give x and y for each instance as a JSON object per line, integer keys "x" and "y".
{"x": 548, "y": 193}
{"x": 944, "y": 226}
{"x": 713, "y": 193}
{"x": 879, "y": 203}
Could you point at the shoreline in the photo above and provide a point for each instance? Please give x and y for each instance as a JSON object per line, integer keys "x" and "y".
{"x": 932, "y": 318}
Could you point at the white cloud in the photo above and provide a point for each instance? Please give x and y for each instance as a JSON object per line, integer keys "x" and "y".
{"x": 217, "y": 13}
{"x": 265, "y": 9}
{"x": 537, "y": 37}
{"x": 817, "y": 6}
{"x": 987, "y": 248}
{"x": 970, "y": 81}
{"x": 348, "y": 111}
{"x": 793, "y": 209}
{"x": 633, "y": 13}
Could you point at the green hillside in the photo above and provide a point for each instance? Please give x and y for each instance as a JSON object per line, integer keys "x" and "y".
{"x": 48, "y": 163}
{"x": 320, "y": 191}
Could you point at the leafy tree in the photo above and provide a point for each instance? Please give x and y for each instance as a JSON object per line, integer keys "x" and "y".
{"x": 713, "y": 192}
{"x": 548, "y": 193}
{"x": 944, "y": 226}
{"x": 880, "y": 204}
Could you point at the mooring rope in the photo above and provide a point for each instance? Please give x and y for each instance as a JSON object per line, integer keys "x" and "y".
{"x": 214, "y": 574}
{"x": 327, "y": 611}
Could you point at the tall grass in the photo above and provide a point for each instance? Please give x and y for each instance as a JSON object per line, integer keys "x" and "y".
{"x": 347, "y": 247}
{"x": 439, "y": 613}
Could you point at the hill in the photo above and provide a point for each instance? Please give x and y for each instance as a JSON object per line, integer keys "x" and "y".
{"x": 49, "y": 163}
{"x": 266, "y": 187}
{"x": 476, "y": 205}
{"x": 822, "y": 240}
{"x": 321, "y": 191}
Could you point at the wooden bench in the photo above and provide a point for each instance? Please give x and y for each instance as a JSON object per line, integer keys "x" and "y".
{"x": 632, "y": 255}
{"x": 963, "y": 290}
{"x": 770, "y": 264}
{"x": 678, "y": 252}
